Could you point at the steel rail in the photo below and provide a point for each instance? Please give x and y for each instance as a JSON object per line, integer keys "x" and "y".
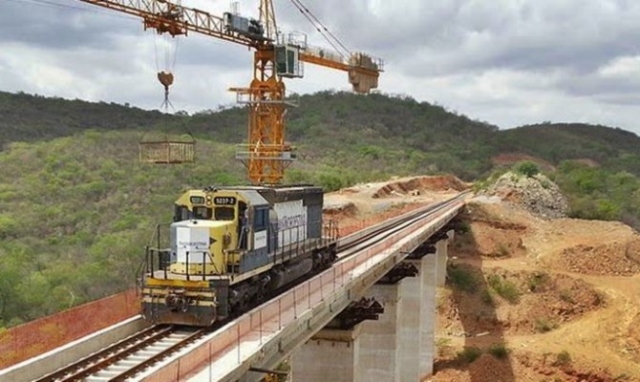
{"x": 158, "y": 357}
{"x": 354, "y": 243}
{"x": 87, "y": 365}
{"x": 102, "y": 360}
{"x": 397, "y": 223}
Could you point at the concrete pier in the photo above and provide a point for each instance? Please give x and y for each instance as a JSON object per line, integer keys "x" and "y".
{"x": 441, "y": 262}
{"x": 410, "y": 327}
{"x": 398, "y": 347}
{"x": 380, "y": 345}
{"x": 330, "y": 355}
{"x": 428, "y": 290}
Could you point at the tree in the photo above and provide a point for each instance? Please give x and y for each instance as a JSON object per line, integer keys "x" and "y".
{"x": 527, "y": 168}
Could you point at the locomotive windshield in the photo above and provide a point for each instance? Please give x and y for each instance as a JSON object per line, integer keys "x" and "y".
{"x": 181, "y": 213}
{"x": 224, "y": 213}
{"x": 201, "y": 213}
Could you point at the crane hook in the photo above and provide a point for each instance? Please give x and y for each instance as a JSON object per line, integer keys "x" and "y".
{"x": 166, "y": 79}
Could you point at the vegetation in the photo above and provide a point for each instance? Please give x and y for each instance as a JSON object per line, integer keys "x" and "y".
{"x": 502, "y": 250}
{"x": 596, "y": 193}
{"x": 543, "y": 325}
{"x": 499, "y": 351}
{"x": 538, "y": 280}
{"x": 504, "y": 288}
{"x": 76, "y": 208}
{"x": 74, "y": 223}
{"x": 565, "y": 295}
{"x": 487, "y": 297}
{"x": 563, "y": 358}
{"x": 462, "y": 277}
{"x": 469, "y": 354}
{"x": 526, "y": 168}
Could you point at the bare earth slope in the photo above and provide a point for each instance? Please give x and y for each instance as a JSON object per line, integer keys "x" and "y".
{"x": 560, "y": 296}
{"x": 529, "y": 298}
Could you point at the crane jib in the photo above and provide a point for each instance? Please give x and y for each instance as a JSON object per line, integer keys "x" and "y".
{"x": 266, "y": 154}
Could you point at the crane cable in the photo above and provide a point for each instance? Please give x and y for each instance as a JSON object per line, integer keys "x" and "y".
{"x": 165, "y": 73}
{"x": 321, "y": 28}
{"x": 322, "y": 25}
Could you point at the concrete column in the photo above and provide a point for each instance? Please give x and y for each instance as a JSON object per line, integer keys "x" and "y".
{"x": 380, "y": 340}
{"x": 441, "y": 262}
{"x": 427, "y": 276}
{"x": 451, "y": 234}
{"x": 413, "y": 308}
{"x": 330, "y": 355}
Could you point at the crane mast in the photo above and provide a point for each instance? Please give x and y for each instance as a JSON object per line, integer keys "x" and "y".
{"x": 266, "y": 153}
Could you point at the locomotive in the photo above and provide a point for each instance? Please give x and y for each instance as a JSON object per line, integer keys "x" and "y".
{"x": 229, "y": 248}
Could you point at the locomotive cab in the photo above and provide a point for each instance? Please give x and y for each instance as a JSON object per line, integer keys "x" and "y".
{"x": 229, "y": 228}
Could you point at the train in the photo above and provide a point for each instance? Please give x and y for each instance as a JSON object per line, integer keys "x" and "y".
{"x": 230, "y": 248}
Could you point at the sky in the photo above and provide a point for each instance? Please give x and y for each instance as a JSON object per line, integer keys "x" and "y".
{"x": 505, "y": 62}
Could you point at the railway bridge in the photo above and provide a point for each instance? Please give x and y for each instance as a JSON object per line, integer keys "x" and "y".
{"x": 369, "y": 317}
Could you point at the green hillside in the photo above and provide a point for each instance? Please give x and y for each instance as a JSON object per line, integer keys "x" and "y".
{"x": 76, "y": 207}
{"x": 613, "y": 149}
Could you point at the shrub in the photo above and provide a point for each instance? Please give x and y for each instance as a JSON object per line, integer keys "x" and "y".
{"x": 463, "y": 227}
{"x": 462, "y": 278}
{"x": 563, "y": 358}
{"x": 469, "y": 354}
{"x": 8, "y": 226}
{"x": 543, "y": 325}
{"x": 487, "y": 297}
{"x": 505, "y": 289}
{"x": 565, "y": 295}
{"x": 526, "y": 168}
{"x": 502, "y": 250}
{"x": 537, "y": 280}
{"x": 499, "y": 351}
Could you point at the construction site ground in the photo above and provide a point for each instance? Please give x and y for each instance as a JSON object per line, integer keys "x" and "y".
{"x": 527, "y": 299}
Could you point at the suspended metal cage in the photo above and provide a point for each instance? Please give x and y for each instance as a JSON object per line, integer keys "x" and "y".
{"x": 168, "y": 150}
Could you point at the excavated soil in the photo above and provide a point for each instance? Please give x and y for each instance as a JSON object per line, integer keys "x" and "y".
{"x": 493, "y": 235}
{"x": 414, "y": 186}
{"x": 363, "y": 205}
{"x": 614, "y": 259}
{"x": 542, "y": 300}
{"x": 571, "y": 310}
{"x": 523, "y": 366}
{"x": 521, "y": 302}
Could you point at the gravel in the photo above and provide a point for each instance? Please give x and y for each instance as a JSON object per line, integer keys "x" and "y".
{"x": 537, "y": 194}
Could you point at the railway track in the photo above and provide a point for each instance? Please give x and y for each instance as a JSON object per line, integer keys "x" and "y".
{"x": 352, "y": 246}
{"x": 128, "y": 357}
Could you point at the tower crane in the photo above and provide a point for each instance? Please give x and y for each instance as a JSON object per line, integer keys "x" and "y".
{"x": 276, "y": 56}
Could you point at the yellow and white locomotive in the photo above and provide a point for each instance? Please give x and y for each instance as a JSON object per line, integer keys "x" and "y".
{"x": 229, "y": 248}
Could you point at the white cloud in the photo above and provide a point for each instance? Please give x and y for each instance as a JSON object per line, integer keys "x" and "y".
{"x": 507, "y": 62}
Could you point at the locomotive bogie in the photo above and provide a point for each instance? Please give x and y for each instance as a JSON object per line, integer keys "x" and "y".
{"x": 186, "y": 305}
